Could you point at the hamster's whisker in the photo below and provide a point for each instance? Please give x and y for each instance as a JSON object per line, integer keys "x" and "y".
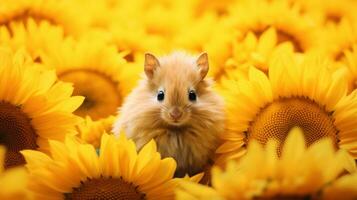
{"x": 165, "y": 109}
{"x": 187, "y": 106}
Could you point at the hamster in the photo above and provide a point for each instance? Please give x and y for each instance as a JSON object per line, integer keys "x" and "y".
{"x": 174, "y": 105}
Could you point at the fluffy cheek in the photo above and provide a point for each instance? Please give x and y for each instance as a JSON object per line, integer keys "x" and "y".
{"x": 201, "y": 113}
{"x": 150, "y": 112}
{"x": 164, "y": 115}
{"x": 186, "y": 116}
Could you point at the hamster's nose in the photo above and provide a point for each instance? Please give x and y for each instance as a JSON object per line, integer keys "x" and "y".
{"x": 175, "y": 114}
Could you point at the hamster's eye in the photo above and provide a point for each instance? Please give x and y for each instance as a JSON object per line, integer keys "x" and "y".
{"x": 160, "y": 95}
{"x": 192, "y": 95}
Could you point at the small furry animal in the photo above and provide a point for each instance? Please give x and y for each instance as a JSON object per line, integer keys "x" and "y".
{"x": 175, "y": 106}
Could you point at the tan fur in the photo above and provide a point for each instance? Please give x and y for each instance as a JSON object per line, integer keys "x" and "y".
{"x": 192, "y": 142}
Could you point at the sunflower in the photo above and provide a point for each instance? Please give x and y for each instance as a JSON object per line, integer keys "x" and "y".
{"x": 257, "y": 51}
{"x": 133, "y": 38}
{"x": 248, "y": 18}
{"x": 34, "y": 106}
{"x": 298, "y": 91}
{"x": 137, "y": 35}
{"x": 330, "y": 12}
{"x": 58, "y": 13}
{"x": 219, "y": 8}
{"x": 220, "y": 48}
{"x": 343, "y": 188}
{"x": 335, "y": 40}
{"x": 258, "y": 16}
{"x": 199, "y": 34}
{"x": 166, "y": 18}
{"x": 31, "y": 35}
{"x": 282, "y": 177}
{"x": 12, "y": 181}
{"x": 75, "y": 171}
{"x": 351, "y": 63}
{"x": 206, "y": 34}
{"x": 91, "y": 131}
{"x": 100, "y": 13}
{"x": 97, "y": 71}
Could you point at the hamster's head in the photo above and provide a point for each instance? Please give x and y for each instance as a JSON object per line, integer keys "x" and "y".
{"x": 177, "y": 86}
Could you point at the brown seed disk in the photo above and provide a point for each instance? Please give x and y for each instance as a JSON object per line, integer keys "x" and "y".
{"x": 102, "y": 97}
{"x": 105, "y": 188}
{"x": 278, "y": 118}
{"x": 16, "y": 133}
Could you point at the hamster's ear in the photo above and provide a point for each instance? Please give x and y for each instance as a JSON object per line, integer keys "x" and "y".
{"x": 151, "y": 63}
{"x": 202, "y": 64}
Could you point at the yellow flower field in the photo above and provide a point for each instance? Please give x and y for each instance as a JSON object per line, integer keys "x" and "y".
{"x": 286, "y": 71}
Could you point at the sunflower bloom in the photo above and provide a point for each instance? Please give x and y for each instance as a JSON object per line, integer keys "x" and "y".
{"x": 255, "y": 17}
{"x": 220, "y": 47}
{"x": 12, "y": 181}
{"x": 146, "y": 34}
{"x": 351, "y": 62}
{"x": 297, "y": 92}
{"x": 34, "y": 106}
{"x": 330, "y": 12}
{"x": 57, "y": 13}
{"x": 290, "y": 24}
{"x": 75, "y": 171}
{"x": 202, "y": 32}
{"x": 335, "y": 40}
{"x": 343, "y": 188}
{"x": 136, "y": 40}
{"x": 91, "y": 131}
{"x": 97, "y": 71}
{"x": 300, "y": 172}
{"x": 218, "y": 8}
{"x": 258, "y": 51}
{"x": 32, "y": 36}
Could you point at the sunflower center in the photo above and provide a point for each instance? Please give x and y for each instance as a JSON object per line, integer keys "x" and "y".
{"x": 101, "y": 93}
{"x": 16, "y": 133}
{"x": 340, "y": 55}
{"x": 334, "y": 18}
{"x": 110, "y": 188}
{"x": 278, "y": 118}
{"x": 129, "y": 57}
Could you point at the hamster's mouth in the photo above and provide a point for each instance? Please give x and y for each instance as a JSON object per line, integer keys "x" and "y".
{"x": 176, "y": 122}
